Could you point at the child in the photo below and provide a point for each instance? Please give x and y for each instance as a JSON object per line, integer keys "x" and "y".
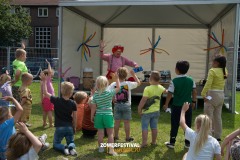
{"x": 5, "y": 88}
{"x": 65, "y": 117}
{"x": 183, "y": 88}
{"x": 19, "y": 67}
{"x": 26, "y": 97}
{"x": 214, "y": 88}
{"x": 23, "y": 145}
{"x": 7, "y": 122}
{"x": 87, "y": 126}
{"x": 203, "y": 146}
{"x": 149, "y": 107}
{"x": 47, "y": 106}
{"x": 115, "y": 60}
{"x": 232, "y": 143}
{"x": 102, "y": 105}
{"x": 122, "y": 106}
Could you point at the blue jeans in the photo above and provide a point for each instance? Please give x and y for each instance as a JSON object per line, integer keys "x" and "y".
{"x": 150, "y": 118}
{"x": 122, "y": 112}
{"x": 60, "y": 133}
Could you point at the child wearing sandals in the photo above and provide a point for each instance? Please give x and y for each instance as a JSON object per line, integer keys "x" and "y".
{"x": 24, "y": 145}
{"x": 102, "y": 106}
{"x": 149, "y": 107}
{"x": 47, "y": 106}
{"x": 122, "y": 102}
{"x": 203, "y": 146}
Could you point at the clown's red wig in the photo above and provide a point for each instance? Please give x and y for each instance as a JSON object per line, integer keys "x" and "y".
{"x": 117, "y": 47}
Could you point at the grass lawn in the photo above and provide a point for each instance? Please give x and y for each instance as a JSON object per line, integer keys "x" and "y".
{"x": 87, "y": 148}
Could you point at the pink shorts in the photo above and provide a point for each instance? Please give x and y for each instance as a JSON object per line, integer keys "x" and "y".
{"x": 47, "y": 105}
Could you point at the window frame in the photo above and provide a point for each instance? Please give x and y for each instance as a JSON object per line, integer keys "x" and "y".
{"x": 42, "y": 8}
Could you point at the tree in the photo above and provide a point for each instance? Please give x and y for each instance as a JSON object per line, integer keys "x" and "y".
{"x": 14, "y": 24}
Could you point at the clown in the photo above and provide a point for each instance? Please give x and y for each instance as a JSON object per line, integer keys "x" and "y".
{"x": 115, "y": 60}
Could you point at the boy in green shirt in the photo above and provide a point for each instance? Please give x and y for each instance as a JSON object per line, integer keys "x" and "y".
{"x": 183, "y": 88}
{"x": 19, "y": 67}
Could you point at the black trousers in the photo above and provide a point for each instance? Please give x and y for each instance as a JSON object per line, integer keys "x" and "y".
{"x": 175, "y": 118}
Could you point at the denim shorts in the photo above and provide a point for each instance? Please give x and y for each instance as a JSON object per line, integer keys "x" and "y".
{"x": 122, "y": 111}
{"x": 150, "y": 118}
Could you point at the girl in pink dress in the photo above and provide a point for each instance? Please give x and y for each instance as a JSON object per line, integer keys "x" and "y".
{"x": 47, "y": 106}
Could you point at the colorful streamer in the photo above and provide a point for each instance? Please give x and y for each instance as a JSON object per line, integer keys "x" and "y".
{"x": 220, "y": 46}
{"x": 85, "y": 46}
{"x": 153, "y": 49}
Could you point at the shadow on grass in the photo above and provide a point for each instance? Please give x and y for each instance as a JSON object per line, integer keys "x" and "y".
{"x": 170, "y": 154}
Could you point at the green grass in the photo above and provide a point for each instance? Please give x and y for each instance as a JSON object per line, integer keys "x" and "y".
{"x": 87, "y": 148}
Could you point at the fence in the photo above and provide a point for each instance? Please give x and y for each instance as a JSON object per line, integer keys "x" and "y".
{"x": 35, "y": 59}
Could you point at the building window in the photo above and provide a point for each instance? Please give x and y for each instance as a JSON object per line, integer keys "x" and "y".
{"x": 43, "y": 37}
{"x": 42, "y": 12}
{"x": 57, "y": 12}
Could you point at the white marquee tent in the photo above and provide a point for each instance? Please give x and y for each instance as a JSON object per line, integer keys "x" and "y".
{"x": 184, "y": 26}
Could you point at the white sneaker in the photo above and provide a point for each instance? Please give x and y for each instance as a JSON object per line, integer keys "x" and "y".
{"x": 66, "y": 151}
{"x": 73, "y": 152}
{"x": 43, "y": 138}
{"x": 101, "y": 149}
{"x": 113, "y": 153}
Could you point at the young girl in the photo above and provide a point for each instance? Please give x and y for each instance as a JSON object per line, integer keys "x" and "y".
{"x": 23, "y": 145}
{"x": 232, "y": 143}
{"x": 5, "y": 88}
{"x": 202, "y": 145}
{"x": 7, "y": 122}
{"x": 213, "y": 94}
{"x": 102, "y": 105}
{"x": 47, "y": 106}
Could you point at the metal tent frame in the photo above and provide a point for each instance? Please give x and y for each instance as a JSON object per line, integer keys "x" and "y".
{"x": 124, "y": 13}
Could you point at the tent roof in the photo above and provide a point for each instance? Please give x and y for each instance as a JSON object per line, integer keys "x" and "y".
{"x": 154, "y": 13}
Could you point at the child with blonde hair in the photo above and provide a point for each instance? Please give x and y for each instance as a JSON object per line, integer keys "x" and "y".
{"x": 203, "y": 146}
{"x": 19, "y": 67}
{"x": 65, "y": 112}
{"x": 47, "y": 106}
{"x": 122, "y": 102}
{"x": 149, "y": 107}
{"x": 101, "y": 111}
{"x": 26, "y": 97}
{"x": 7, "y": 122}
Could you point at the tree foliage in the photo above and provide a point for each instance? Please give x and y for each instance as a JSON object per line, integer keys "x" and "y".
{"x": 14, "y": 24}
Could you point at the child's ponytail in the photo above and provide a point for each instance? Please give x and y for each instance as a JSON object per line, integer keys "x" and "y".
{"x": 222, "y": 64}
{"x": 203, "y": 124}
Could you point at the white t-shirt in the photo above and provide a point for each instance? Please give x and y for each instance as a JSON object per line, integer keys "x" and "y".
{"x": 209, "y": 149}
{"x": 124, "y": 94}
{"x": 30, "y": 155}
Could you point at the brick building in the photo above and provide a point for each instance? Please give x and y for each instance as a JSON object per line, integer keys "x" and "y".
{"x": 44, "y": 22}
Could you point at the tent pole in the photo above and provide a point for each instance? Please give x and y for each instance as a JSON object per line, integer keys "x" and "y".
{"x": 208, "y": 54}
{"x": 235, "y": 61}
{"x": 152, "y": 54}
{"x": 60, "y": 38}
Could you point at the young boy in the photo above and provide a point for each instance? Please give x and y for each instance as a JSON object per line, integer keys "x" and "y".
{"x": 26, "y": 97}
{"x": 122, "y": 107}
{"x": 83, "y": 102}
{"x": 183, "y": 88}
{"x": 65, "y": 112}
{"x": 19, "y": 67}
{"x": 149, "y": 107}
